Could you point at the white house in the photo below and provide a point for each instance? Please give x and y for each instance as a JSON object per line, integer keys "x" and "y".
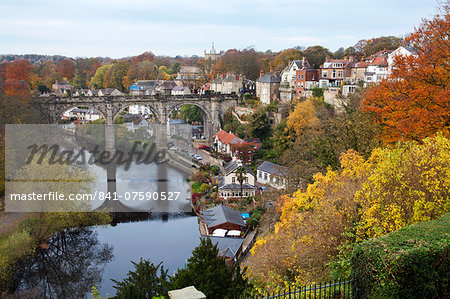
{"x": 230, "y": 186}
{"x": 180, "y": 90}
{"x": 288, "y": 77}
{"x": 377, "y": 70}
{"x": 400, "y": 51}
{"x": 272, "y": 174}
{"x": 223, "y": 141}
{"x": 138, "y": 109}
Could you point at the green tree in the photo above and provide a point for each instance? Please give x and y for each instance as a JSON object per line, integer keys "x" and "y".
{"x": 97, "y": 79}
{"x": 146, "y": 281}
{"x": 339, "y": 54}
{"x": 191, "y": 113}
{"x": 259, "y": 126}
{"x": 210, "y": 274}
{"x": 316, "y": 55}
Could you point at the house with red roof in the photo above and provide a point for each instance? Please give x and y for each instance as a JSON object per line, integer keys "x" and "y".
{"x": 224, "y": 141}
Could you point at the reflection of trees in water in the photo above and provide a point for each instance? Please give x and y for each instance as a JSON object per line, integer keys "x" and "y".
{"x": 72, "y": 264}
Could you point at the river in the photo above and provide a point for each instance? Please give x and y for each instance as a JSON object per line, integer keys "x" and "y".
{"x": 79, "y": 259}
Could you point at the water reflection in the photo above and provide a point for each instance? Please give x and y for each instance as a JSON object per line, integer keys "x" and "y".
{"x": 73, "y": 262}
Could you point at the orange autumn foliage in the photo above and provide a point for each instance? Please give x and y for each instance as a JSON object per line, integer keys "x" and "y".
{"x": 414, "y": 102}
{"x": 18, "y": 75}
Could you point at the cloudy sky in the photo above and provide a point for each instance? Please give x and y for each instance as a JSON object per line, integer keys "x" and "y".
{"x": 118, "y": 28}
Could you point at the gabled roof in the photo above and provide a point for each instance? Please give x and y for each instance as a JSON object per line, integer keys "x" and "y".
{"x": 220, "y": 215}
{"x": 218, "y": 80}
{"x": 269, "y": 78}
{"x": 381, "y": 61}
{"x": 227, "y": 138}
{"x": 179, "y": 88}
{"x": 233, "y": 165}
{"x": 361, "y": 64}
{"x": 272, "y": 168}
{"x": 228, "y": 247}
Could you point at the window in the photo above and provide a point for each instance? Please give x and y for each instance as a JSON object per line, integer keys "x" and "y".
{"x": 301, "y": 85}
{"x": 298, "y": 77}
{"x": 265, "y": 176}
{"x": 333, "y": 74}
{"x": 324, "y": 74}
{"x": 233, "y": 180}
{"x": 302, "y": 77}
{"x": 340, "y": 74}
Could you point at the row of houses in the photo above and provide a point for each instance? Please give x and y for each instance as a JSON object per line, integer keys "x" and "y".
{"x": 155, "y": 87}
{"x": 334, "y": 75}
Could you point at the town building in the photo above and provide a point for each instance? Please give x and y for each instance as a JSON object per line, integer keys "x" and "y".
{"x": 143, "y": 87}
{"x": 267, "y": 88}
{"x": 189, "y": 76}
{"x": 229, "y": 248}
{"x": 223, "y": 141}
{"x": 272, "y": 174}
{"x": 83, "y": 115}
{"x": 180, "y": 90}
{"x": 164, "y": 87}
{"x": 288, "y": 79}
{"x": 333, "y": 73}
{"x": 400, "y": 51}
{"x": 139, "y": 109}
{"x": 246, "y": 150}
{"x": 230, "y": 185}
{"x": 222, "y": 218}
{"x": 61, "y": 87}
{"x": 232, "y": 84}
{"x": 213, "y": 54}
{"x": 109, "y": 92}
{"x": 306, "y": 79}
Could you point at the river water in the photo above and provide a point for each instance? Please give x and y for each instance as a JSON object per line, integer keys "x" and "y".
{"x": 78, "y": 260}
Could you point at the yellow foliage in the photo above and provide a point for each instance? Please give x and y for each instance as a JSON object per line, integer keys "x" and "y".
{"x": 393, "y": 188}
{"x": 303, "y": 117}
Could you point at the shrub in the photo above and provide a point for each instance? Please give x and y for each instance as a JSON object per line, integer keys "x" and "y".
{"x": 412, "y": 262}
{"x": 204, "y": 187}
{"x": 317, "y": 92}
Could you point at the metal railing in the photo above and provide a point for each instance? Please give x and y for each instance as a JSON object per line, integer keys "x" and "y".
{"x": 335, "y": 289}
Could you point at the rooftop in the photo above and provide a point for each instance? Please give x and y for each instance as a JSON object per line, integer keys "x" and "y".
{"x": 272, "y": 168}
{"x": 220, "y": 215}
{"x": 228, "y": 247}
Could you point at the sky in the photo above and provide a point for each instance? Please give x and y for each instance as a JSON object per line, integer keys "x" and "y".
{"x": 120, "y": 28}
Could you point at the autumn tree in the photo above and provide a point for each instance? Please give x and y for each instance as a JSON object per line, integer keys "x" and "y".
{"x": 319, "y": 225}
{"x": 374, "y": 45}
{"x": 97, "y": 79}
{"x": 66, "y": 68}
{"x": 283, "y": 58}
{"x": 303, "y": 118}
{"x": 415, "y": 101}
{"x": 18, "y": 75}
{"x": 146, "y": 56}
